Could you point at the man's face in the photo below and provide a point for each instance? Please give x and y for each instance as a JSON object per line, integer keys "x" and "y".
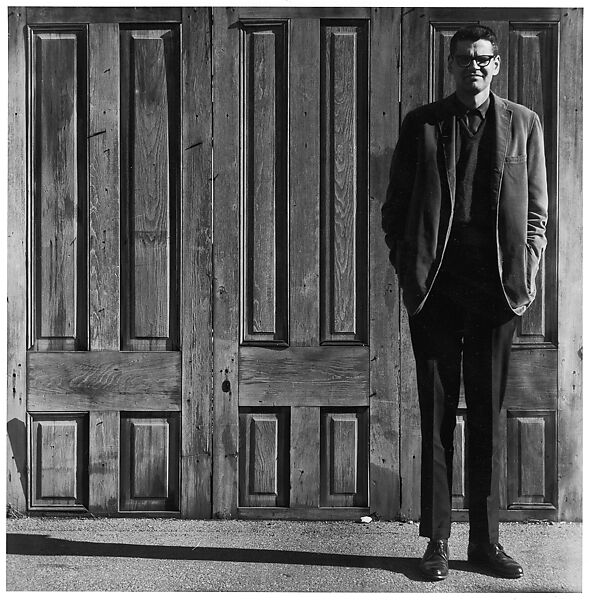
{"x": 473, "y": 78}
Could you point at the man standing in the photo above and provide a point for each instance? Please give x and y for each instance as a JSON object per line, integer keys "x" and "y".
{"x": 465, "y": 220}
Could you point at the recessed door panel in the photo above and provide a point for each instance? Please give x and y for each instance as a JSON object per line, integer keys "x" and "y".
{"x": 57, "y": 76}
{"x": 59, "y": 453}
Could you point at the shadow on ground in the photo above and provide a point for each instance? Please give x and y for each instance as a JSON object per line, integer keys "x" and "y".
{"x": 42, "y": 545}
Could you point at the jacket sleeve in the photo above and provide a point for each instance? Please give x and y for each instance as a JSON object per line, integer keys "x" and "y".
{"x": 401, "y": 178}
{"x": 537, "y": 191}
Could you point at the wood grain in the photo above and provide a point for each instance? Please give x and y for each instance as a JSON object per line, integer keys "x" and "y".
{"x": 59, "y": 461}
{"x": 299, "y": 376}
{"x": 570, "y": 236}
{"x": 16, "y": 269}
{"x": 89, "y": 381}
{"x": 533, "y": 459}
{"x": 344, "y": 127}
{"x": 533, "y": 66}
{"x": 196, "y": 276}
{"x": 304, "y": 183}
{"x": 344, "y": 458}
{"x": 265, "y": 211}
{"x": 300, "y": 13}
{"x": 150, "y": 194}
{"x": 344, "y": 436}
{"x": 59, "y": 168}
{"x": 484, "y": 15}
{"x": 104, "y": 187}
{"x": 226, "y": 290}
{"x": 262, "y": 177}
{"x": 305, "y": 467}
{"x": 265, "y": 455}
{"x": 121, "y": 14}
{"x": 531, "y": 463}
{"x": 459, "y": 469}
{"x": 263, "y": 462}
{"x": 415, "y": 92}
{"x": 103, "y": 462}
{"x": 150, "y": 462}
{"x": 150, "y": 178}
{"x": 532, "y": 382}
{"x": 384, "y": 483}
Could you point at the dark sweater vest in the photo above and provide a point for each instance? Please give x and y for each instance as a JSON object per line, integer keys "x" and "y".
{"x": 469, "y": 275}
{"x": 473, "y": 223}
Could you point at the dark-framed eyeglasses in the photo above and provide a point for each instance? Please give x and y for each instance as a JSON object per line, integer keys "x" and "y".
{"x": 464, "y": 60}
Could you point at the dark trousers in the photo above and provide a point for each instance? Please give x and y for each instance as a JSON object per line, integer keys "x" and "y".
{"x": 448, "y": 337}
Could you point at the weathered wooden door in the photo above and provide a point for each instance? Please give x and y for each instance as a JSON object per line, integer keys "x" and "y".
{"x": 112, "y": 199}
{"x": 305, "y": 320}
{"x": 119, "y": 208}
{"x": 540, "y": 423}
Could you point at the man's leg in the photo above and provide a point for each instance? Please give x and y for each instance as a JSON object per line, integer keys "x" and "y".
{"x": 436, "y": 334}
{"x": 487, "y": 349}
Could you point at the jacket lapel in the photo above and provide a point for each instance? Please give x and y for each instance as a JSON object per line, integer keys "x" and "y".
{"x": 502, "y": 135}
{"x": 447, "y": 137}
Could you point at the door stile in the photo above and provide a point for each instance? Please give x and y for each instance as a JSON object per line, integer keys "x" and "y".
{"x": 226, "y": 219}
{"x": 570, "y": 240}
{"x": 415, "y": 90}
{"x": 104, "y": 251}
{"x": 16, "y": 276}
{"x": 384, "y": 481}
{"x": 196, "y": 304}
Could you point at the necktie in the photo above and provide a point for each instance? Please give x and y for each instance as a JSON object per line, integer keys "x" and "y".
{"x": 474, "y": 120}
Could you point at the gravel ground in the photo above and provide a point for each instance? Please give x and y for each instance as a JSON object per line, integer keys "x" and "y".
{"x": 166, "y": 555}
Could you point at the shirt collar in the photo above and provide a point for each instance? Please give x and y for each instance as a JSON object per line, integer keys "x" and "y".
{"x": 461, "y": 109}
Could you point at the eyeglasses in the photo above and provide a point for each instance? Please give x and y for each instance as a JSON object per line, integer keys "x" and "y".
{"x": 464, "y": 60}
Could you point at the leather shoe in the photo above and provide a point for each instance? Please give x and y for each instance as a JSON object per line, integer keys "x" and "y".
{"x": 434, "y": 564}
{"x": 494, "y": 558}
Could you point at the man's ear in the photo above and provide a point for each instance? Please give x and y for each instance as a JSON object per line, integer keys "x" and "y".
{"x": 497, "y": 62}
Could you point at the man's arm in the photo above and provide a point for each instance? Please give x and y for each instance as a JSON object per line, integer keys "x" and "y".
{"x": 400, "y": 187}
{"x": 537, "y": 191}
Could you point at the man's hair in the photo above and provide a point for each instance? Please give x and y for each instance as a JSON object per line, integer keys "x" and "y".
{"x": 473, "y": 33}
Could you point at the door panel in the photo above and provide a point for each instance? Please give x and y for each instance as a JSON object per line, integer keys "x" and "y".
{"x": 265, "y": 457}
{"x": 106, "y": 422}
{"x": 150, "y": 183}
{"x": 59, "y": 203}
{"x": 344, "y": 174}
{"x": 529, "y": 75}
{"x": 265, "y": 212}
{"x": 293, "y": 189}
{"x": 149, "y": 461}
{"x": 59, "y": 452}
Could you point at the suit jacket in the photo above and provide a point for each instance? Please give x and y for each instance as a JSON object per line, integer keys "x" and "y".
{"x": 418, "y": 211}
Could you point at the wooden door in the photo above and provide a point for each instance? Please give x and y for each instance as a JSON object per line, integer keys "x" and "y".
{"x": 305, "y": 313}
{"x": 540, "y": 477}
{"x": 112, "y": 202}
